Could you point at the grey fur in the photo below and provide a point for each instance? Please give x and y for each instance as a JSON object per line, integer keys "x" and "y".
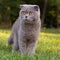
{"x": 24, "y": 36}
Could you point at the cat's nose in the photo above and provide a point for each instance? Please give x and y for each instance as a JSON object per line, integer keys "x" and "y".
{"x": 25, "y": 16}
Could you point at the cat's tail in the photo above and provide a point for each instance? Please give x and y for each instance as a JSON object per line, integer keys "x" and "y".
{"x": 10, "y": 40}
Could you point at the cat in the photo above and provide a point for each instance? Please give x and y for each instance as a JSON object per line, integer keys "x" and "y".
{"x": 26, "y": 29}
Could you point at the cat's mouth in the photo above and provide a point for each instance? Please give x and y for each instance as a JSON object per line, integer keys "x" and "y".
{"x": 29, "y": 21}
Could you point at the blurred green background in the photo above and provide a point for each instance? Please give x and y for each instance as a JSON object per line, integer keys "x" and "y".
{"x": 50, "y": 12}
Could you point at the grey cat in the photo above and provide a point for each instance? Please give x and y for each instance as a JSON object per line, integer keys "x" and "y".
{"x": 26, "y": 29}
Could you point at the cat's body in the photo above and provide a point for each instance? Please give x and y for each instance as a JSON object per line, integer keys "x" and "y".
{"x": 26, "y": 29}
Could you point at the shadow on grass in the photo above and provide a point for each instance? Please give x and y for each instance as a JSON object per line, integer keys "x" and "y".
{"x": 4, "y": 47}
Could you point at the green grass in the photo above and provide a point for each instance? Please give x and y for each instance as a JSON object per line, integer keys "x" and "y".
{"x": 48, "y": 47}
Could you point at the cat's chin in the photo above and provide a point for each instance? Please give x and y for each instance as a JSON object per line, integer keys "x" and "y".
{"x": 29, "y": 22}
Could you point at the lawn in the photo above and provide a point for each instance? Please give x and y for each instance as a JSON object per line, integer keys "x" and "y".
{"x": 48, "y": 47}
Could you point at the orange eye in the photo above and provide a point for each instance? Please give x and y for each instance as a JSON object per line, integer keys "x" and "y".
{"x": 23, "y": 13}
{"x": 31, "y": 13}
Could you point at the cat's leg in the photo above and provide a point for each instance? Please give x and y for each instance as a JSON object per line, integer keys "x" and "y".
{"x": 31, "y": 48}
{"x": 22, "y": 47}
{"x": 27, "y": 48}
{"x": 10, "y": 39}
{"x": 15, "y": 44}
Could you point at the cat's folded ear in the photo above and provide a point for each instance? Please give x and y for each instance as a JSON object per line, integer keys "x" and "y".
{"x": 36, "y": 7}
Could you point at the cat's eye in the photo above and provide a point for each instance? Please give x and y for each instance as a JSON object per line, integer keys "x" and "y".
{"x": 23, "y": 12}
{"x": 31, "y": 13}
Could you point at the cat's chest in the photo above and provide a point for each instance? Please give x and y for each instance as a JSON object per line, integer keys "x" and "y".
{"x": 29, "y": 28}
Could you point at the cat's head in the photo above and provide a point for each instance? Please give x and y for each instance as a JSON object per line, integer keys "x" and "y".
{"x": 29, "y": 13}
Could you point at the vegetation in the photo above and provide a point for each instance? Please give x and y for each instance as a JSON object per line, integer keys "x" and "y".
{"x": 48, "y": 47}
